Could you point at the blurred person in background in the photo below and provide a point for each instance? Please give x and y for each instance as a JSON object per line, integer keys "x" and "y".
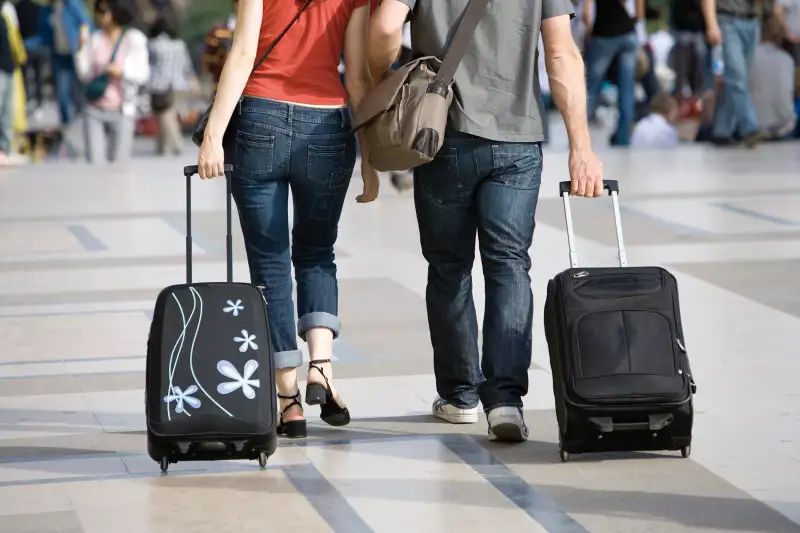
{"x": 217, "y": 46}
{"x": 8, "y": 65}
{"x": 20, "y": 101}
{"x": 28, "y": 12}
{"x": 690, "y": 57}
{"x": 612, "y": 37}
{"x": 63, "y": 25}
{"x": 772, "y": 83}
{"x": 109, "y": 119}
{"x": 171, "y": 73}
{"x": 734, "y": 25}
{"x": 788, "y": 13}
{"x": 657, "y": 130}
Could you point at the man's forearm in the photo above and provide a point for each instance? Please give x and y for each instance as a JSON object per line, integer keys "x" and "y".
{"x": 568, "y": 86}
{"x": 709, "y": 9}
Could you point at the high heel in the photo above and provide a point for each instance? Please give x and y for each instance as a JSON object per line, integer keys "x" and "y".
{"x": 296, "y": 429}
{"x": 317, "y": 394}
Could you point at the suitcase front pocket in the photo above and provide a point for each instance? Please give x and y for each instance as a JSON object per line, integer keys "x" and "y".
{"x": 626, "y": 354}
{"x": 619, "y": 285}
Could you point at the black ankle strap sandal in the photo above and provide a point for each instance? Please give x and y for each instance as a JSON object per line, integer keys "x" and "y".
{"x": 317, "y": 394}
{"x": 296, "y": 429}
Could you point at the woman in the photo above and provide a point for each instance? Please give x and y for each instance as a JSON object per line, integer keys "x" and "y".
{"x": 291, "y": 131}
{"x": 171, "y": 72}
{"x": 113, "y": 63}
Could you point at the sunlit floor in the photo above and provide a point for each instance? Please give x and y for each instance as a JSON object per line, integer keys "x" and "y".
{"x": 84, "y": 251}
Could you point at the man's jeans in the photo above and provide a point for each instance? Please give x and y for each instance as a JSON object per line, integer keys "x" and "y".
{"x": 68, "y": 88}
{"x": 278, "y": 147}
{"x": 734, "y": 111}
{"x": 489, "y": 189}
{"x": 600, "y": 52}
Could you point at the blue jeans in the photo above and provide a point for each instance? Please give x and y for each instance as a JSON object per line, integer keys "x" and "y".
{"x": 490, "y": 189}
{"x": 734, "y": 112}
{"x": 600, "y": 52}
{"x": 276, "y": 148}
{"x": 68, "y": 87}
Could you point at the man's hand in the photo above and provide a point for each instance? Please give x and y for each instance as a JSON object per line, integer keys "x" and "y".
{"x": 585, "y": 173}
{"x": 372, "y": 184}
{"x": 714, "y": 35}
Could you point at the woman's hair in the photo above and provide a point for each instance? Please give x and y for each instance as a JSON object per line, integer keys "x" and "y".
{"x": 164, "y": 25}
{"x": 120, "y": 11}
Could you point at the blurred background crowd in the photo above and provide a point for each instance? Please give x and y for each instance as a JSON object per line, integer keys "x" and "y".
{"x": 89, "y": 79}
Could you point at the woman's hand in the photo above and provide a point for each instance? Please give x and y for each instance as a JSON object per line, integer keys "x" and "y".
{"x": 372, "y": 183}
{"x": 211, "y": 161}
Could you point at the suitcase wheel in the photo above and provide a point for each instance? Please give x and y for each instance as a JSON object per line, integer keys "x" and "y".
{"x": 564, "y": 454}
{"x": 164, "y": 464}
{"x": 686, "y": 451}
{"x": 262, "y": 459}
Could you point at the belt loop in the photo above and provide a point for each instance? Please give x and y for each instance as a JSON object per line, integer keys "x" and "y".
{"x": 342, "y": 112}
{"x": 241, "y": 98}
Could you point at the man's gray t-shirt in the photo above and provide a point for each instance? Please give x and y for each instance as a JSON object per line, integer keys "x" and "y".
{"x": 497, "y": 86}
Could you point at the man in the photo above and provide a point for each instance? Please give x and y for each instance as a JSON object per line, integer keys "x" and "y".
{"x": 734, "y": 25}
{"x": 218, "y": 44}
{"x": 692, "y": 73}
{"x": 773, "y": 100}
{"x": 612, "y": 38}
{"x": 63, "y": 26}
{"x": 485, "y": 182}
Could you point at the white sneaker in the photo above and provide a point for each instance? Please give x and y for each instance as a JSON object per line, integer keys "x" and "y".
{"x": 507, "y": 425}
{"x": 455, "y": 415}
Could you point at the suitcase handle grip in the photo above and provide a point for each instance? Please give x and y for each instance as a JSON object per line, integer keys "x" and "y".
{"x": 565, "y": 187}
{"x": 189, "y": 172}
{"x": 612, "y": 186}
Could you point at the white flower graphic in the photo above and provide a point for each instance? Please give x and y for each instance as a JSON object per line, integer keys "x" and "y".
{"x": 233, "y": 308}
{"x": 246, "y": 341}
{"x": 239, "y": 381}
{"x": 180, "y": 397}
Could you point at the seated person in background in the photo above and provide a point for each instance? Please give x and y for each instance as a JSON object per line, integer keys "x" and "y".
{"x": 772, "y": 83}
{"x": 657, "y": 130}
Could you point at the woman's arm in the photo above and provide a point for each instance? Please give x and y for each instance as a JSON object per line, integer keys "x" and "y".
{"x": 357, "y": 80}
{"x": 237, "y": 69}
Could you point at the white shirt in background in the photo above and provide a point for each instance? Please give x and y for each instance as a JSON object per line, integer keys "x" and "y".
{"x": 654, "y": 131}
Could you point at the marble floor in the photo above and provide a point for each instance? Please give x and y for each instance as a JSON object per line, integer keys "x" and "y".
{"x": 84, "y": 251}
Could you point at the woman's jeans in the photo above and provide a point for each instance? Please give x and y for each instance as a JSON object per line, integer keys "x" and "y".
{"x": 277, "y": 148}
{"x": 600, "y": 53}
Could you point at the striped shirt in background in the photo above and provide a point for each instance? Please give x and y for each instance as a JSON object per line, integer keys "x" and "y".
{"x": 171, "y": 68}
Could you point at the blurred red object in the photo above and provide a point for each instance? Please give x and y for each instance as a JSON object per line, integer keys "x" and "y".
{"x": 147, "y": 126}
{"x": 691, "y": 108}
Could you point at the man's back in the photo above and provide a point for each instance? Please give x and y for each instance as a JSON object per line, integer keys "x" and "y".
{"x": 498, "y": 95}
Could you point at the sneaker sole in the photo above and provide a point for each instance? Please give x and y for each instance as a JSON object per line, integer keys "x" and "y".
{"x": 509, "y": 432}
{"x": 466, "y": 418}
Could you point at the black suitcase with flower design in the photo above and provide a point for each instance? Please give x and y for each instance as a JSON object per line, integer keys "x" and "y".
{"x": 210, "y": 392}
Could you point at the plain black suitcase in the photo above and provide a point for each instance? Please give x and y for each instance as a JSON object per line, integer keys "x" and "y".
{"x": 210, "y": 392}
{"x": 621, "y": 374}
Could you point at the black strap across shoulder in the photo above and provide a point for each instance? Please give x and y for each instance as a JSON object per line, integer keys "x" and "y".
{"x": 280, "y": 36}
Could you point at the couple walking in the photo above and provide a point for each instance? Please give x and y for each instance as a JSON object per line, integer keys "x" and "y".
{"x": 291, "y": 131}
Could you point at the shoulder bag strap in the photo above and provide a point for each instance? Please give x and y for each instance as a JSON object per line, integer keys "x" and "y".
{"x": 116, "y": 46}
{"x": 279, "y": 37}
{"x": 466, "y": 29}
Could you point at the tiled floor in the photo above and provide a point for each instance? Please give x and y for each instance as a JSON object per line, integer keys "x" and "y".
{"x": 84, "y": 251}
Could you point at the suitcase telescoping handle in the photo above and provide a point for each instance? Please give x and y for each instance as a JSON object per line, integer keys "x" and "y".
{"x": 189, "y": 172}
{"x": 612, "y": 186}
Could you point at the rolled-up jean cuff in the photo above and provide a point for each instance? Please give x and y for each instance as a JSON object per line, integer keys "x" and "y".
{"x": 318, "y": 320}
{"x": 288, "y": 359}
